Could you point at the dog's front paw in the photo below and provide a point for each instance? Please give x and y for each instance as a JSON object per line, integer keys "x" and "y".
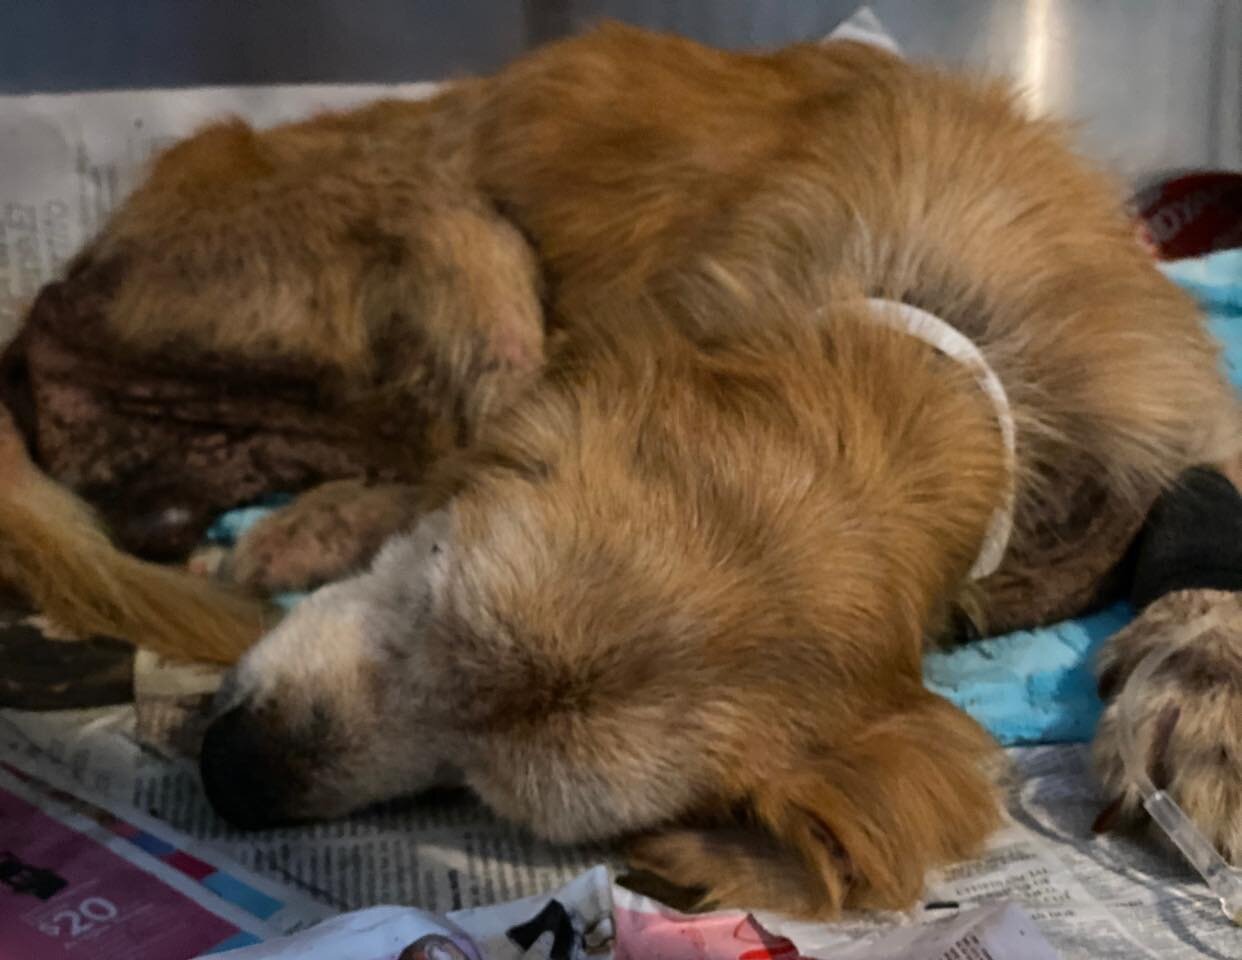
{"x": 290, "y": 549}
{"x": 325, "y": 534}
{"x": 1187, "y": 716}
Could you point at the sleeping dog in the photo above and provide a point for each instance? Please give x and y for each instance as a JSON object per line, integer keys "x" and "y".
{"x": 736, "y": 378}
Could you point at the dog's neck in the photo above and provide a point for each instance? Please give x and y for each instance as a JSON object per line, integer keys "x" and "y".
{"x": 951, "y": 342}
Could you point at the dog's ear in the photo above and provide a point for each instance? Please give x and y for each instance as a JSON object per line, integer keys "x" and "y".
{"x": 857, "y": 825}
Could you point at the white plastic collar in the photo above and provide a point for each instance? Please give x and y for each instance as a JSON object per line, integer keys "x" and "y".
{"x": 954, "y": 344}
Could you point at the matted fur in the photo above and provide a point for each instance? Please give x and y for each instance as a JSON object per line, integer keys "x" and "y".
{"x": 678, "y": 583}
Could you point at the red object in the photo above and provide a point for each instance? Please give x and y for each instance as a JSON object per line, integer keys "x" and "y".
{"x": 774, "y": 948}
{"x": 1191, "y": 215}
{"x": 189, "y": 865}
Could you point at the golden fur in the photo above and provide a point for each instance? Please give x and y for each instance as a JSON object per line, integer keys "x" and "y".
{"x": 729, "y": 526}
{"x": 699, "y": 512}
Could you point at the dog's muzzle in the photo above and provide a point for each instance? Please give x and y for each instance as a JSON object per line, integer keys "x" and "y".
{"x": 248, "y": 773}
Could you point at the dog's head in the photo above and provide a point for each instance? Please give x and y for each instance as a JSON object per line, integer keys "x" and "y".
{"x": 329, "y": 711}
{"x": 524, "y": 599}
{"x": 373, "y": 687}
{"x": 620, "y": 567}
{"x": 563, "y": 580}
{"x": 499, "y": 625}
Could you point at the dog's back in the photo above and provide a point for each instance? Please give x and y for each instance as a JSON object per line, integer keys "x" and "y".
{"x": 644, "y": 165}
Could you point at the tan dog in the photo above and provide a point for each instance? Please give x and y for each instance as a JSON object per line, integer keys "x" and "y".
{"x": 699, "y": 508}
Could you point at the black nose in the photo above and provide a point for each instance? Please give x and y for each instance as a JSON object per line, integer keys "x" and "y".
{"x": 246, "y": 774}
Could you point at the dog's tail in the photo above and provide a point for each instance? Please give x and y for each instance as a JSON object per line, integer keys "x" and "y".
{"x": 54, "y": 549}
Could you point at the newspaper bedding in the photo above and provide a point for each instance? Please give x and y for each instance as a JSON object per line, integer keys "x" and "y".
{"x": 1088, "y": 896}
{"x": 64, "y": 163}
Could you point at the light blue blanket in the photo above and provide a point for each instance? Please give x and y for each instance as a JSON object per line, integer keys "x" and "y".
{"x": 1033, "y": 686}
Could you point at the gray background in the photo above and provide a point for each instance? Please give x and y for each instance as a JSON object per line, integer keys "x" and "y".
{"x": 1155, "y": 84}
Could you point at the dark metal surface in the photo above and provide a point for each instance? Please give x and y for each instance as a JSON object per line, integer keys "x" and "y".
{"x": 1155, "y": 84}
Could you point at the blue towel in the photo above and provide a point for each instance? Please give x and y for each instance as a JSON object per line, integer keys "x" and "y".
{"x": 1033, "y": 686}
{"x": 1215, "y": 281}
{"x": 229, "y": 526}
